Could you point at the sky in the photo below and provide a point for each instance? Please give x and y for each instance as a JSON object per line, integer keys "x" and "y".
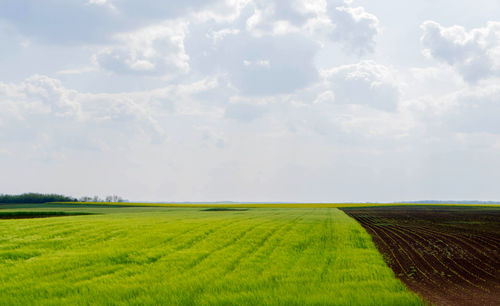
{"x": 251, "y": 100}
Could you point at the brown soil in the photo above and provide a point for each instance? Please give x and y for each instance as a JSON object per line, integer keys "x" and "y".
{"x": 448, "y": 255}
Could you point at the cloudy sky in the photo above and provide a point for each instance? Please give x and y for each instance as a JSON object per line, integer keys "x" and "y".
{"x": 251, "y": 100}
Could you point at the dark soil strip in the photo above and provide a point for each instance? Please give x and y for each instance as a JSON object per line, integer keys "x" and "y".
{"x": 448, "y": 255}
{"x": 38, "y": 214}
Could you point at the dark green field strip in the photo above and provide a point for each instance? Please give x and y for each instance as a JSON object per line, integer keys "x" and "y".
{"x": 38, "y": 214}
{"x": 225, "y": 209}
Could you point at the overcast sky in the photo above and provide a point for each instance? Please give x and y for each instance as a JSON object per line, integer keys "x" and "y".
{"x": 251, "y": 100}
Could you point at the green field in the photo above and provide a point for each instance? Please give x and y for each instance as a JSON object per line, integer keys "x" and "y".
{"x": 186, "y": 256}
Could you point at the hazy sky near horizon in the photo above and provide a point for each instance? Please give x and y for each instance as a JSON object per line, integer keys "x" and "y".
{"x": 251, "y": 100}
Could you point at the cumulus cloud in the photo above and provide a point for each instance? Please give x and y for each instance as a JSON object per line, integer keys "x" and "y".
{"x": 41, "y": 112}
{"x": 474, "y": 53}
{"x": 365, "y": 83}
{"x": 264, "y": 48}
{"x": 472, "y": 109}
{"x": 157, "y": 49}
{"x": 262, "y": 52}
{"x": 255, "y": 65}
{"x": 41, "y": 107}
{"x": 354, "y": 27}
{"x": 432, "y": 81}
{"x": 39, "y": 94}
{"x": 278, "y": 16}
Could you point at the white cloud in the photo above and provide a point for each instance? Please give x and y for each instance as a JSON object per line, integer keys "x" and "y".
{"x": 157, "y": 49}
{"x": 431, "y": 81}
{"x": 267, "y": 48}
{"x": 467, "y": 114}
{"x": 354, "y": 27}
{"x": 256, "y": 65}
{"x": 278, "y": 17}
{"x": 371, "y": 126}
{"x": 44, "y": 115}
{"x": 263, "y": 47}
{"x": 39, "y": 94}
{"x": 220, "y": 34}
{"x": 365, "y": 83}
{"x": 42, "y": 108}
{"x": 473, "y": 53}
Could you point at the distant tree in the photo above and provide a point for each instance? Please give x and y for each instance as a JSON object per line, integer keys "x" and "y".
{"x": 109, "y": 199}
{"x": 114, "y": 199}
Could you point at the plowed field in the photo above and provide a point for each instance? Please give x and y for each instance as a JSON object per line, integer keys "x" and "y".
{"x": 448, "y": 255}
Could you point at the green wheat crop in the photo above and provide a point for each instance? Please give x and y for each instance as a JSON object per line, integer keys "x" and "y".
{"x": 188, "y": 256}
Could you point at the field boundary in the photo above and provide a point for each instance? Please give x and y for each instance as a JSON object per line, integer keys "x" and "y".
{"x": 267, "y": 205}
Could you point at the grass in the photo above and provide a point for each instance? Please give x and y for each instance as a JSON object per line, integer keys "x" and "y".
{"x": 186, "y": 256}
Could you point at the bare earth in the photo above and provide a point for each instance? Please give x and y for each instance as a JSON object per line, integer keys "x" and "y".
{"x": 448, "y": 255}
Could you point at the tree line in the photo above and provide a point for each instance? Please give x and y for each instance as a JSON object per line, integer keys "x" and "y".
{"x": 45, "y": 198}
{"x": 35, "y": 198}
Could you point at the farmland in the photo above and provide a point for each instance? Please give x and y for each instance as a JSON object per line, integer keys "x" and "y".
{"x": 449, "y": 255}
{"x": 185, "y": 256}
